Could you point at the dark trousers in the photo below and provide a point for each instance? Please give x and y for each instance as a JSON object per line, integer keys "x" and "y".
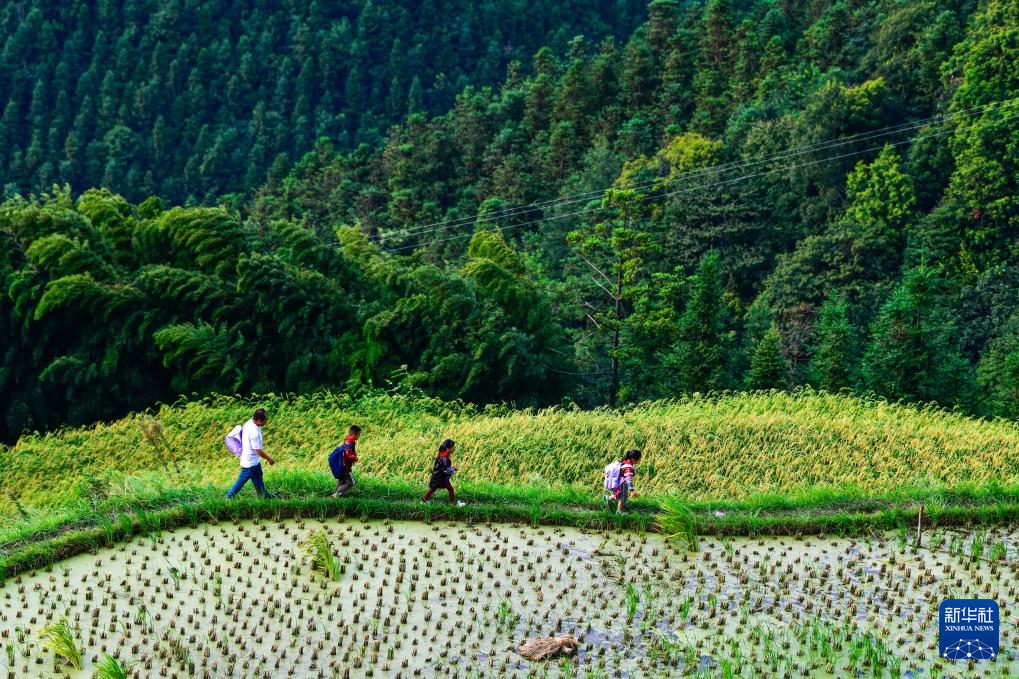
{"x": 344, "y": 483}
{"x": 449, "y": 489}
{"x": 254, "y": 474}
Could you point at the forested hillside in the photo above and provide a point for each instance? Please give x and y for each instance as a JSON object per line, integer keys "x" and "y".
{"x": 189, "y": 100}
{"x": 801, "y": 192}
{"x": 804, "y": 192}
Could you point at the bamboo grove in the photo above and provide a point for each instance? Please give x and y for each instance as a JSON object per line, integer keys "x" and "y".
{"x": 112, "y": 307}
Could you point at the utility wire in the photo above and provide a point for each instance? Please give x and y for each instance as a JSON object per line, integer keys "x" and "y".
{"x": 739, "y": 164}
{"x": 701, "y": 187}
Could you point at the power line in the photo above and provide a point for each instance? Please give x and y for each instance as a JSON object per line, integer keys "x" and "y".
{"x": 733, "y": 165}
{"x": 706, "y": 186}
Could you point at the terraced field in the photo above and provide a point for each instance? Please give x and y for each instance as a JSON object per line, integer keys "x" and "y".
{"x": 724, "y": 448}
{"x": 119, "y": 555}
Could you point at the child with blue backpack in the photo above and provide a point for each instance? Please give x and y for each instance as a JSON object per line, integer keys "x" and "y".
{"x": 342, "y": 460}
{"x": 619, "y": 478}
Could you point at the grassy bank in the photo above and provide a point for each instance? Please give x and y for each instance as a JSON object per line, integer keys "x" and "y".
{"x": 43, "y": 538}
{"x": 747, "y": 464}
{"x": 724, "y": 448}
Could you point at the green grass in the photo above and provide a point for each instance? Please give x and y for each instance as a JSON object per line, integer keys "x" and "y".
{"x": 757, "y": 464}
{"x": 725, "y": 448}
{"x": 678, "y": 523}
{"x": 45, "y": 539}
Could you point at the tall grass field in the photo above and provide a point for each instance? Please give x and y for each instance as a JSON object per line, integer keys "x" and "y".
{"x": 719, "y": 448}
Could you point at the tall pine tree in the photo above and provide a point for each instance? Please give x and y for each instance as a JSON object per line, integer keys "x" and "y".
{"x": 700, "y": 358}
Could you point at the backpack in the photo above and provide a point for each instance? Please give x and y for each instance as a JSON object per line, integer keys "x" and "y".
{"x": 612, "y": 475}
{"x": 233, "y": 440}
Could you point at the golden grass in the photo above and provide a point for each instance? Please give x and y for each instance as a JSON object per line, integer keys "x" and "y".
{"x": 725, "y": 447}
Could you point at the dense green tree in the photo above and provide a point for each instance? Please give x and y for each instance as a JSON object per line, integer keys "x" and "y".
{"x": 861, "y": 250}
{"x": 716, "y": 58}
{"x": 911, "y": 42}
{"x": 985, "y": 183}
{"x": 913, "y": 353}
{"x": 881, "y": 202}
{"x": 614, "y": 252}
{"x": 834, "y": 365}
{"x": 192, "y": 300}
{"x": 768, "y": 367}
{"x": 348, "y": 71}
{"x": 700, "y": 357}
{"x": 998, "y": 373}
{"x": 419, "y": 167}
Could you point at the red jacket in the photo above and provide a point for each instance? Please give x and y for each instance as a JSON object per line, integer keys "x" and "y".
{"x": 346, "y": 455}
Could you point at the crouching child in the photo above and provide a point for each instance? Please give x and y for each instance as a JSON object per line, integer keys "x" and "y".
{"x": 619, "y": 479}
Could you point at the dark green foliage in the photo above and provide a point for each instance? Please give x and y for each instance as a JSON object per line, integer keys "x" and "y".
{"x": 998, "y": 372}
{"x": 108, "y": 307}
{"x": 701, "y": 354}
{"x": 768, "y": 367}
{"x": 860, "y": 250}
{"x": 834, "y": 365}
{"x": 433, "y": 177}
{"x": 914, "y": 350}
{"x": 612, "y": 256}
{"x": 985, "y": 185}
{"x": 193, "y": 102}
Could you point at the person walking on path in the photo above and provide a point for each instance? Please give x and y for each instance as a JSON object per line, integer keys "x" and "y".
{"x": 619, "y": 479}
{"x": 342, "y": 460}
{"x": 442, "y": 473}
{"x": 252, "y": 454}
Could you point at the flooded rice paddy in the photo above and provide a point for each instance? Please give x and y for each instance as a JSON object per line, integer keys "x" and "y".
{"x": 456, "y": 600}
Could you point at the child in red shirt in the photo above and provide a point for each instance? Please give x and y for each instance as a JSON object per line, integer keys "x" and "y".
{"x": 342, "y": 460}
{"x": 627, "y": 471}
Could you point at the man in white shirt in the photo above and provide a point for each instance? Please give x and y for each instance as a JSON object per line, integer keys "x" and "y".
{"x": 252, "y": 455}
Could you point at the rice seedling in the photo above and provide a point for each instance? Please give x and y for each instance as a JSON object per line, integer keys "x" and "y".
{"x": 58, "y": 638}
{"x": 110, "y": 668}
{"x": 976, "y": 548}
{"x": 632, "y": 601}
{"x": 684, "y": 609}
{"x": 319, "y": 550}
{"x": 175, "y": 574}
{"x": 180, "y": 653}
{"x": 506, "y": 619}
{"x": 677, "y": 523}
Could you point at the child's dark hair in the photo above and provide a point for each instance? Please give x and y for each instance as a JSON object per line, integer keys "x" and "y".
{"x": 354, "y": 430}
{"x": 632, "y": 455}
{"x": 446, "y": 445}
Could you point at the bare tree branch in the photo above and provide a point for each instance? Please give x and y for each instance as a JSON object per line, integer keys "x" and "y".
{"x": 591, "y": 264}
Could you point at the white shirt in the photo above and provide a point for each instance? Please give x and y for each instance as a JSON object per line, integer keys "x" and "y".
{"x": 251, "y": 440}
